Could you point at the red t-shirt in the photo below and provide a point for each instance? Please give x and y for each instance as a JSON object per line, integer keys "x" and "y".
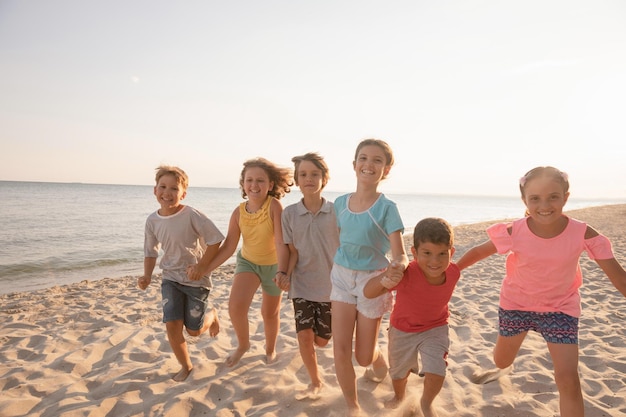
{"x": 419, "y": 305}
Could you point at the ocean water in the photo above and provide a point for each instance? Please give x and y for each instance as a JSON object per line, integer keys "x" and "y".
{"x": 60, "y": 233}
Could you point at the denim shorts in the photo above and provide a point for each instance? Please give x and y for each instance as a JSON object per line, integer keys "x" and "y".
{"x": 554, "y": 327}
{"x": 182, "y": 302}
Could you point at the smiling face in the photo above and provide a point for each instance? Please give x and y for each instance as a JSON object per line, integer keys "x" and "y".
{"x": 370, "y": 164}
{"x": 544, "y": 198}
{"x": 256, "y": 183}
{"x": 169, "y": 193}
{"x": 433, "y": 259}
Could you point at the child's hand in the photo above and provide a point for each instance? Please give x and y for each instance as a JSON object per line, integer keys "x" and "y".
{"x": 282, "y": 281}
{"x": 395, "y": 272}
{"x": 143, "y": 282}
{"x": 194, "y": 273}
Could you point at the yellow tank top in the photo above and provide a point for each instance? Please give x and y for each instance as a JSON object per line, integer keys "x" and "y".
{"x": 257, "y": 230}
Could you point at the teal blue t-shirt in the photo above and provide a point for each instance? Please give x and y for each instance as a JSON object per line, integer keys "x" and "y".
{"x": 364, "y": 236}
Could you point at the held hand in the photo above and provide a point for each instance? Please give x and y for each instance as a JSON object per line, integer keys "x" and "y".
{"x": 282, "y": 281}
{"x": 143, "y": 282}
{"x": 193, "y": 273}
{"x": 394, "y": 275}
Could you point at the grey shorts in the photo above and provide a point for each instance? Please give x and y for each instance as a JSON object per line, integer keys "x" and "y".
{"x": 347, "y": 287}
{"x": 431, "y": 345}
{"x": 182, "y": 302}
{"x": 265, "y": 273}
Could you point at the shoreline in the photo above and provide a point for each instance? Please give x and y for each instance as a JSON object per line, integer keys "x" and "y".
{"x": 99, "y": 348}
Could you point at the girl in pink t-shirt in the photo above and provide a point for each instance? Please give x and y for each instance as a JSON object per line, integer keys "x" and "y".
{"x": 540, "y": 289}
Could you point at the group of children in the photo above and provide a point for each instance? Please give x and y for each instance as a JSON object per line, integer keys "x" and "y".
{"x": 345, "y": 266}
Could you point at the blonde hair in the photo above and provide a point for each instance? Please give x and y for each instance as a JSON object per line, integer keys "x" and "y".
{"x": 281, "y": 177}
{"x": 181, "y": 177}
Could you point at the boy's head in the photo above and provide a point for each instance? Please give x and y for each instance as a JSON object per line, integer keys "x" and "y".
{"x": 315, "y": 159}
{"x": 181, "y": 177}
{"x": 433, "y": 245}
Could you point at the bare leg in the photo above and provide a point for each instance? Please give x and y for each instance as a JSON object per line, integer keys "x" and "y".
{"x": 399, "y": 390}
{"x": 504, "y": 354}
{"x": 432, "y": 386}
{"x": 366, "y": 349}
{"x": 179, "y": 347}
{"x": 211, "y": 323}
{"x": 343, "y": 322}
{"x": 270, "y": 310}
{"x": 241, "y": 294}
{"x": 306, "y": 344}
{"x": 565, "y": 361}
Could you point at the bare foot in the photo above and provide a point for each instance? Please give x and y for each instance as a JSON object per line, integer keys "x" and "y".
{"x": 490, "y": 376}
{"x": 214, "y": 328}
{"x": 354, "y": 412}
{"x": 393, "y": 403}
{"x": 182, "y": 374}
{"x": 428, "y": 411}
{"x": 312, "y": 392}
{"x": 378, "y": 370}
{"x": 270, "y": 358}
{"x": 234, "y": 357}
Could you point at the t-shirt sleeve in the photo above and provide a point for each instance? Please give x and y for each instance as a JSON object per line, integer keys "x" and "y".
{"x": 500, "y": 237}
{"x": 150, "y": 243}
{"x": 599, "y": 247}
{"x": 286, "y": 225}
{"x": 393, "y": 221}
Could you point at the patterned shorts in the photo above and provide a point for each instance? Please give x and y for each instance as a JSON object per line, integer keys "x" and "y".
{"x": 554, "y": 327}
{"x": 312, "y": 315}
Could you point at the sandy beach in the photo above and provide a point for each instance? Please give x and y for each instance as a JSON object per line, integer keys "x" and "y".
{"x": 99, "y": 348}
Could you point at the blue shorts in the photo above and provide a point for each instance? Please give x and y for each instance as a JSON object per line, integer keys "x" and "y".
{"x": 554, "y": 327}
{"x": 182, "y": 302}
{"x": 266, "y": 274}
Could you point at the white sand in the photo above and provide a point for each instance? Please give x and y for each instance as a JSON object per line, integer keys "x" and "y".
{"x": 98, "y": 348}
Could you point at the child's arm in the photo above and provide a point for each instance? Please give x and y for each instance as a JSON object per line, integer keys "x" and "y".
{"x": 382, "y": 283}
{"x": 229, "y": 245}
{"x": 283, "y": 281}
{"x": 196, "y": 272}
{"x": 148, "y": 267}
{"x": 615, "y": 272}
{"x": 282, "y": 250}
{"x": 398, "y": 251}
{"x": 476, "y": 254}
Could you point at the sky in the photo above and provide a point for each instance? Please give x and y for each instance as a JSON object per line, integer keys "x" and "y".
{"x": 469, "y": 94}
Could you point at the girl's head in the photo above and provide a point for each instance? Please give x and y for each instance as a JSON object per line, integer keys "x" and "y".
{"x": 384, "y": 147}
{"x": 181, "y": 177}
{"x": 544, "y": 190}
{"x": 316, "y": 160}
{"x": 550, "y": 172}
{"x": 279, "y": 179}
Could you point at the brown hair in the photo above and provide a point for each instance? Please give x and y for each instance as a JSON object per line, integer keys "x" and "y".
{"x": 559, "y": 176}
{"x": 281, "y": 177}
{"x": 317, "y": 160}
{"x": 433, "y": 230}
{"x": 382, "y": 145}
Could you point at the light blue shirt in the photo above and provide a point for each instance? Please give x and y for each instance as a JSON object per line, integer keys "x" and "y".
{"x": 364, "y": 236}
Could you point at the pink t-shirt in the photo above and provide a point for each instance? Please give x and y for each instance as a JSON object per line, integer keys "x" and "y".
{"x": 544, "y": 275}
{"x": 421, "y": 306}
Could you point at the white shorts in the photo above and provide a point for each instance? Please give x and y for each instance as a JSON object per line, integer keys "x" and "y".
{"x": 347, "y": 287}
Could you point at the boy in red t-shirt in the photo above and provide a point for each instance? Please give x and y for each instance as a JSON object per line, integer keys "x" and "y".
{"x": 419, "y": 320}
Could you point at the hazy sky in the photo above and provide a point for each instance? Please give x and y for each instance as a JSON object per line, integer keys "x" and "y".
{"x": 469, "y": 94}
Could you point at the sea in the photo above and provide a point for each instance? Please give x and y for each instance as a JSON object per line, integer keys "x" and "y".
{"x": 54, "y": 234}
